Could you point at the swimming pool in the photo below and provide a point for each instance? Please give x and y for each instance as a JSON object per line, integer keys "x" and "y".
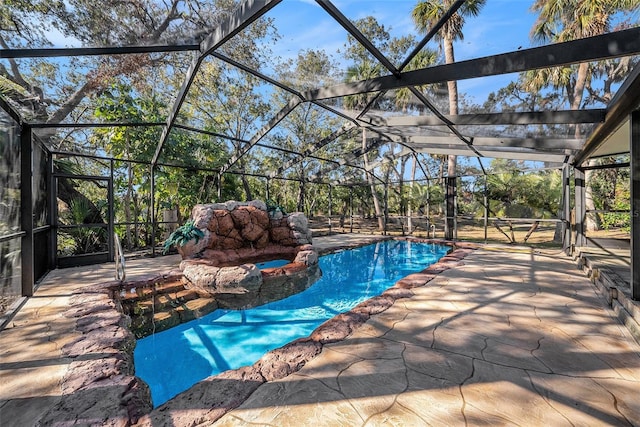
{"x": 173, "y": 360}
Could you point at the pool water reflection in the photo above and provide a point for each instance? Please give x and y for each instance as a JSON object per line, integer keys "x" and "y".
{"x": 173, "y": 360}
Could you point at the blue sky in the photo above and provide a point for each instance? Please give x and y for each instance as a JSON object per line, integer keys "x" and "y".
{"x": 503, "y": 26}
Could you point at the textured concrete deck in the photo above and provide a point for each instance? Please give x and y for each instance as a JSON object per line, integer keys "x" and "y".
{"x": 32, "y": 364}
{"x": 510, "y": 337}
{"x": 507, "y": 339}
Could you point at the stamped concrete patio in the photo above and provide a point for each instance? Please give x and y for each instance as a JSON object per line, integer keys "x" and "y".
{"x": 509, "y": 336}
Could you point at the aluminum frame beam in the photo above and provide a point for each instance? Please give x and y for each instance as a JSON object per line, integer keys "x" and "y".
{"x": 508, "y": 118}
{"x": 611, "y": 45}
{"x": 247, "y": 13}
{"x": 93, "y": 51}
{"x": 255, "y": 73}
{"x": 543, "y": 144}
{"x": 432, "y": 32}
{"x": 40, "y": 125}
{"x": 26, "y": 211}
{"x": 356, "y": 34}
{"x": 626, "y": 99}
{"x": 284, "y": 112}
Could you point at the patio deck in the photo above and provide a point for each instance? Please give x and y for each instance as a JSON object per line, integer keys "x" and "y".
{"x": 510, "y": 336}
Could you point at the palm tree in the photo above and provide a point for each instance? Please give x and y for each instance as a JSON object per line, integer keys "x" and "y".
{"x": 423, "y": 59}
{"x": 425, "y": 15}
{"x": 559, "y": 21}
{"x": 364, "y": 70}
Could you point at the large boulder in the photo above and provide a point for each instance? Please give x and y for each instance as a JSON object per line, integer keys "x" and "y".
{"x": 236, "y": 236}
{"x": 241, "y": 279}
{"x": 235, "y": 225}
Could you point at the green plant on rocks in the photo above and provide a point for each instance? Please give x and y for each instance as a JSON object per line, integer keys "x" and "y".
{"x": 183, "y": 235}
{"x": 273, "y": 209}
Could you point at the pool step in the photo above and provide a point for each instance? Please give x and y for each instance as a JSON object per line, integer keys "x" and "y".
{"x": 190, "y": 310}
{"x": 145, "y": 292}
{"x": 167, "y": 305}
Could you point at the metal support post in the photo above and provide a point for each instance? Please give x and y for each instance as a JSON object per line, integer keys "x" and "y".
{"x": 110, "y": 213}
{"x": 450, "y": 208}
{"x": 580, "y": 215}
{"x": 566, "y": 210}
{"x": 52, "y": 208}
{"x": 635, "y": 205}
{"x": 152, "y": 186}
{"x": 485, "y": 199}
{"x": 26, "y": 209}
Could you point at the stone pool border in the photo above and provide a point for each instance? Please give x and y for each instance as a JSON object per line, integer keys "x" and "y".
{"x": 101, "y": 375}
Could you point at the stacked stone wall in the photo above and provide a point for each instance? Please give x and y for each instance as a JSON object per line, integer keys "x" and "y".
{"x": 245, "y": 225}
{"x": 239, "y": 235}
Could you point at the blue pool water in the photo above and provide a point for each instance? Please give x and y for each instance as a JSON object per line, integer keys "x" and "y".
{"x": 272, "y": 264}
{"x": 173, "y": 360}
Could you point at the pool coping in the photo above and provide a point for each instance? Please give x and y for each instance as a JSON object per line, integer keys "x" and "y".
{"x": 103, "y": 353}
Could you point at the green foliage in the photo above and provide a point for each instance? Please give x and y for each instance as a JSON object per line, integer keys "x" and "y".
{"x": 273, "y": 208}
{"x": 613, "y": 220}
{"x": 610, "y": 190}
{"x": 183, "y": 235}
{"x": 514, "y": 194}
{"x": 81, "y": 239}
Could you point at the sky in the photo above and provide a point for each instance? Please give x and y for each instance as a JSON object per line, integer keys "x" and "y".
{"x": 503, "y": 26}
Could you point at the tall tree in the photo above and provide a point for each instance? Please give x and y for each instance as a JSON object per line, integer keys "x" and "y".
{"x": 307, "y": 124}
{"x": 86, "y": 23}
{"x": 57, "y": 91}
{"x": 425, "y": 15}
{"x": 365, "y": 66}
{"x": 559, "y": 21}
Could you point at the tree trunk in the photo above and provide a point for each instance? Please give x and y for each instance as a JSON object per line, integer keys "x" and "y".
{"x": 376, "y": 203}
{"x": 127, "y": 207}
{"x": 452, "y": 86}
{"x": 248, "y": 196}
{"x": 300, "y": 196}
{"x": 409, "y": 200}
{"x": 581, "y": 80}
{"x": 68, "y": 193}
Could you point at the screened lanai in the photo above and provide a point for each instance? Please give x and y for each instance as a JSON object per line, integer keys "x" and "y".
{"x": 505, "y": 133}
{"x": 117, "y": 121}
